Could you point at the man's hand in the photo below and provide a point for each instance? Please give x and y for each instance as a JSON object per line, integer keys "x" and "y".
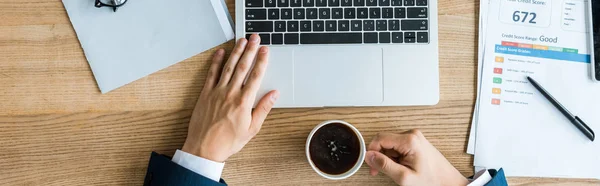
{"x": 409, "y": 159}
{"x": 223, "y": 120}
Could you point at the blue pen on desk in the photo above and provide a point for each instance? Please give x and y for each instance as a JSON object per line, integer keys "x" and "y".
{"x": 587, "y": 131}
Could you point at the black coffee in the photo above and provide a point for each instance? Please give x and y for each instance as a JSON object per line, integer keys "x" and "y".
{"x": 334, "y": 148}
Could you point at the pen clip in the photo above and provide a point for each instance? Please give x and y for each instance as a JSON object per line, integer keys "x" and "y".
{"x": 586, "y": 127}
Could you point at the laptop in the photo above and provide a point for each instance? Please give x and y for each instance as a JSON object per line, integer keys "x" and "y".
{"x": 337, "y": 53}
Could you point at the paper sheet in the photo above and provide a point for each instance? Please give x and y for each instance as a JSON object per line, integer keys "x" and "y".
{"x": 517, "y": 128}
{"x": 483, "y": 12}
{"x": 143, "y": 37}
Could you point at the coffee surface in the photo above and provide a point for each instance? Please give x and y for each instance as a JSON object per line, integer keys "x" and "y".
{"x": 334, "y": 148}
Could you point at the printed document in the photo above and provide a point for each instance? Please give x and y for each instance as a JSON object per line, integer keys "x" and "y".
{"x": 517, "y": 128}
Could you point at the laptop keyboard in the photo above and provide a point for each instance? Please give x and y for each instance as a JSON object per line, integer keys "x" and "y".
{"x": 293, "y": 22}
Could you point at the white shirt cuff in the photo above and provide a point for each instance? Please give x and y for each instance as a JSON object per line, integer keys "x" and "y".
{"x": 481, "y": 178}
{"x": 204, "y": 167}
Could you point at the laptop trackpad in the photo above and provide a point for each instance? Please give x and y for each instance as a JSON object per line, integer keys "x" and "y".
{"x": 338, "y": 76}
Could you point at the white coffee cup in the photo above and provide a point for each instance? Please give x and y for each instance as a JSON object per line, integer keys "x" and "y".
{"x": 354, "y": 169}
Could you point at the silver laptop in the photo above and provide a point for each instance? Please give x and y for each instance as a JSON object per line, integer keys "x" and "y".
{"x": 329, "y": 53}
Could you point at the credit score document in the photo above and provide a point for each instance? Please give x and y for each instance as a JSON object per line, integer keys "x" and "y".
{"x": 518, "y": 128}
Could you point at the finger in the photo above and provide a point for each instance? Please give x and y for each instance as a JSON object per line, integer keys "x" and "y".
{"x": 382, "y": 163}
{"x": 401, "y": 143}
{"x": 264, "y": 106}
{"x": 246, "y": 61}
{"x": 258, "y": 72}
{"x": 373, "y": 171}
{"x": 237, "y": 52}
{"x": 214, "y": 70}
{"x": 391, "y": 153}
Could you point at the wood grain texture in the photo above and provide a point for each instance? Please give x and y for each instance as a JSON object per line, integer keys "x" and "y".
{"x": 57, "y": 129}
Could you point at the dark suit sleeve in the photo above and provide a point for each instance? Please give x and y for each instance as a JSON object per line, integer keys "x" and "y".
{"x": 498, "y": 178}
{"x": 162, "y": 171}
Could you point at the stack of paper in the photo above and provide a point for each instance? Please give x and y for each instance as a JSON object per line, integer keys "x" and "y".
{"x": 142, "y": 37}
{"x": 514, "y": 126}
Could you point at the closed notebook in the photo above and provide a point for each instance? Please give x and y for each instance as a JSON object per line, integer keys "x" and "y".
{"x": 145, "y": 36}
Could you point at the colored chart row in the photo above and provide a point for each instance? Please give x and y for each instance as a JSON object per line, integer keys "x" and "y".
{"x": 541, "y": 51}
{"x": 539, "y": 47}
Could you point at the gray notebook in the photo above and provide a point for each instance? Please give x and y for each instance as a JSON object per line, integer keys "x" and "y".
{"x": 144, "y": 36}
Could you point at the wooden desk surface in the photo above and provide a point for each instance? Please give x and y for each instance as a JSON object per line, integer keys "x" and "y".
{"x": 57, "y": 129}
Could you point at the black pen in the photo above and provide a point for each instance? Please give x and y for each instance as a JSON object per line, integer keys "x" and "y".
{"x": 574, "y": 119}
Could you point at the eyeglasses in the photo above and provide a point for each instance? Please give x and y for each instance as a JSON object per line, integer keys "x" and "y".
{"x": 110, "y": 3}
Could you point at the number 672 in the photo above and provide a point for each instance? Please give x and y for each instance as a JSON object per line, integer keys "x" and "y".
{"x": 522, "y": 16}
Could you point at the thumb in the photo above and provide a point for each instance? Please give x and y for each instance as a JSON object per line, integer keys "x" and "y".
{"x": 262, "y": 109}
{"x": 382, "y": 163}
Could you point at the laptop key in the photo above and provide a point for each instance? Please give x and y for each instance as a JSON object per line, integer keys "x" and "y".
{"x": 277, "y": 39}
{"x": 292, "y": 26}
{"x": 422, "y": 37}
{"x": 349, "y": 13}
{"x": 421, "y": 2}
{"x": 333, "y": 3}
{"x": 299, "y": 13}
{"x": 324, "y": 13}
{"x": 387, "y": 13}
{"x": 295, "y": 3}
{"x": 381, "y": 25}
{"x": 270, "y": 3}
{"x": 370, "y": 37}
{"x": 331, "y": 38}
{"x": 384, "y": 2}
{"x": 256, "y": 14}
{"x": 409, "y": 37}
{"x": 312, "y": 13}
{"x": 265, "y": 39}
{"x": 356, "y": 25}
{"x": 337, "y": 13}
{"x": 291, "y": 39}
{"x": 259, "y": 26}
{"x": 362, "y": 13}
{"x": 394, "y": 25}
{"x": 397, "y": 37}
{"x": 413, "y": 24}
{"x": 374, "y": 13}
{"x": 384, "y": 37}
{"x": 396, "y": 2}
{"x": 344, "y": 25}
{"x": 283, "y": 3}
{"x": 318, "y": 26}
{"x": 359, "y": 2}
{"x": 273, "y": 13}
{"x": 420, "y": 12}
{"x": 399, "y": 12}
{"x": 331, "y": 26}
{"x": 286, "y": 13}
{"x": 409, "y": 2}
{"x": 280, "y": 26}
{"x": 346, "y": 2}
{"x": 321, "y": 3}
{"x": 254, "y": 3}
{"x": 308, "y": 3}
{"x": 369, "y": 25}
{"x": 371, "y": 2}
{"x": 305, "y": 26}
